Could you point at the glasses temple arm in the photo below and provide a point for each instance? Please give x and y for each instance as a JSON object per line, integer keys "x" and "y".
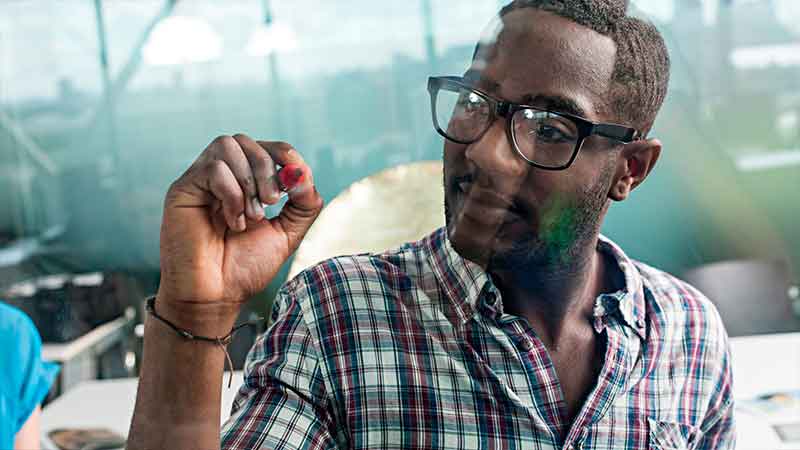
{"x": 617, "y": 132}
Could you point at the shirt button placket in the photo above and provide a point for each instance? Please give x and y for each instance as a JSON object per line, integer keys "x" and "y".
{"x": 576, "y": 446}
{"x": 490, "y": 300}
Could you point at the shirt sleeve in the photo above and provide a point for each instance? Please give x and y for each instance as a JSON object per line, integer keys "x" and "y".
{"x": 31, "y": 376}
{"x": 719, "y": 427}
{"x": 283, "y": 402}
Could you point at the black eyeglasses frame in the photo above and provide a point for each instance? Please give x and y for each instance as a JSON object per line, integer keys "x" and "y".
{"x": 502, "y": 108}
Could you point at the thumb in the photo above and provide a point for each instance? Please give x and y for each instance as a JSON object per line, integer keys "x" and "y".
{"x": 300, "y": 212}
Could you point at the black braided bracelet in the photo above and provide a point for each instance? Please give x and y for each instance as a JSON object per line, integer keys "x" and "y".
{"x": 222, "y": 342}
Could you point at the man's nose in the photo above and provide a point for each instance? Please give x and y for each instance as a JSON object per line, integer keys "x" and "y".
{"x": 494, "y": 153}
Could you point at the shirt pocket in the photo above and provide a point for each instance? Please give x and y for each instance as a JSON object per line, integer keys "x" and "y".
{"x": 665, "y": 435}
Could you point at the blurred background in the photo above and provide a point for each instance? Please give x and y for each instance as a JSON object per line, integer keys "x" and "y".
{"x": 103, "y": 103}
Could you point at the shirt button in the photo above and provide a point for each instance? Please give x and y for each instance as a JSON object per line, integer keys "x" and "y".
{"x": 525, "y": 345}
{"x": 491, "y": 298}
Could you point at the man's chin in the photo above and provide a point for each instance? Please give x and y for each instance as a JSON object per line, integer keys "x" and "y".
{"x": 497, "y": 248}
{"x": 470, "y": 246}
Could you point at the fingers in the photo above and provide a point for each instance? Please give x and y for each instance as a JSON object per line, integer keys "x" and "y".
{"x": 229, "y": 150}
{"x": 224, "y": 186}
{"x": 262, "y": 167}
{"x": 304, "y": 195}
{"x": 305, "y": 203}
{"x": 239, "y": 174}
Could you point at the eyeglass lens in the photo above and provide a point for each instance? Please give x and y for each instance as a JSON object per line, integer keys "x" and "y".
{"x": 541, "y": 137}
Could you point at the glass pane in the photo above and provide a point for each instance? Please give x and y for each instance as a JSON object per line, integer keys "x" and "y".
{"x": 356, "y": 105}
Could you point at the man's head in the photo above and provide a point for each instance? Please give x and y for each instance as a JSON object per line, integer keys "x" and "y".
{"x": 641, "y": 64}
{"x": 582, "y": 57}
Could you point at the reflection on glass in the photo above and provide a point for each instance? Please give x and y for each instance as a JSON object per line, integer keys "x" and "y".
{"x": 730, "y": 126}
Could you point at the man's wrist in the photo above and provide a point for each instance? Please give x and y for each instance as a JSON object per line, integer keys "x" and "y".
{"x": 200, "y": 319}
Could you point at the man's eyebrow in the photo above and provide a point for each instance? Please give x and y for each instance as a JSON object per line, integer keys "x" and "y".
{"x": 556, "y": 103}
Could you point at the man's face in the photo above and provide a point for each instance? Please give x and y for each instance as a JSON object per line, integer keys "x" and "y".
{"x": 502, "y": 212}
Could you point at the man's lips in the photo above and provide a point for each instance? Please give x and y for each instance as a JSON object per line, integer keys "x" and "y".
{"x": 487, "y": 197}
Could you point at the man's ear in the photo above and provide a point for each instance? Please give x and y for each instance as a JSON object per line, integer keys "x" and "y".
{"x": 635, "y": 161}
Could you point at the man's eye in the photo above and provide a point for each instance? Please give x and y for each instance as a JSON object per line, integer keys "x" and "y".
{"x": 550, "y": 133}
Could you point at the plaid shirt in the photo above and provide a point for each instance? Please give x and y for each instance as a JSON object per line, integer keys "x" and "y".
{"x": 411, "y": 349}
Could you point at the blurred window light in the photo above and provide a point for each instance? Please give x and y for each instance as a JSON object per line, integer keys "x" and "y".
{"x": 788, "y": 124}
{"x": 766, "y": 56}
{"x": 182, "y": 40}
{"x": 274, "y": 37}
{"x": 756, "y": 160}
{"x": 788, "y": 14}
{"x": 710, "y": 12}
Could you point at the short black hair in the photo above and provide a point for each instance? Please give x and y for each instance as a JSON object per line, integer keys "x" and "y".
{"x": 641, "y": 69}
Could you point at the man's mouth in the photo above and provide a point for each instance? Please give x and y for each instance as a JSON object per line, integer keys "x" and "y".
{"x": 464, "y": 185}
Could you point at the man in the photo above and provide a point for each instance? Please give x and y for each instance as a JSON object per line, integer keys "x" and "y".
{"x": 516, "y": 326}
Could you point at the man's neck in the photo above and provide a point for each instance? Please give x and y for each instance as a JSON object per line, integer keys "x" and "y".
{"x": 557, "y": 299}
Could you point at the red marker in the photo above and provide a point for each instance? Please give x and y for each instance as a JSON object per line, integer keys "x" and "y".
{"x": 290, "y": 176}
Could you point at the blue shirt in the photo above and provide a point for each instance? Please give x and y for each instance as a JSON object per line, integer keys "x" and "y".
{"x": 24, "y": 378}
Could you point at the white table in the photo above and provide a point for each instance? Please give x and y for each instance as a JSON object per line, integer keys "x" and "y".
{"x": 79, "y": 358}
{"x": 108, "y": 404}
{"x": 761, "y": 364}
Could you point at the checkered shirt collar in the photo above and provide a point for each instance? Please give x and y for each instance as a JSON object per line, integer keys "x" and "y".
{"x": 463, "y": 281}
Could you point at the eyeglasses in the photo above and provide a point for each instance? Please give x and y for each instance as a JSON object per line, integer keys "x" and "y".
{"x": 546, "y": 139}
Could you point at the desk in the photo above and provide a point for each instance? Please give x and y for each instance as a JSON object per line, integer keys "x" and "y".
{"x": 78, "y": 358}
{"x": 108, "y": 404}
{"x": 764, "y": 364}
{"x": 761, "y": 364}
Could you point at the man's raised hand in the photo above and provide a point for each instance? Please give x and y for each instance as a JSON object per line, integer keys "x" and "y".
{"x": 217, "y": 248}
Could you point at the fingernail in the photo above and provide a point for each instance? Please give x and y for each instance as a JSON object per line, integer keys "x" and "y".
{"x": 257, "y": 208}
{"x": 248, "y": 210}
{"x": 241, "y": 224}
{"x": 276, "y": 191}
